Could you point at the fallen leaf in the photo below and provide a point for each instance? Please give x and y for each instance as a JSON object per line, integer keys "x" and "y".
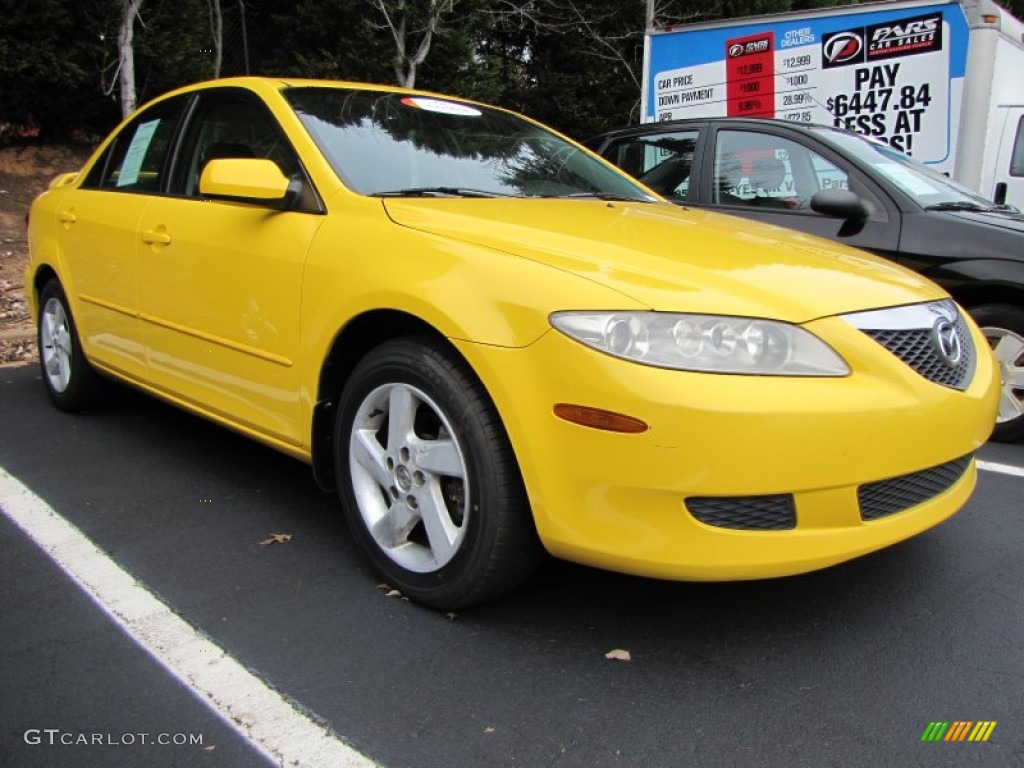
{"x": 384, "y": 585}
{"x": 489, "y": 729}
{"x": 452, "y": 616}
{"x": 618, "y": 654}
{"x": 277, "y": 538}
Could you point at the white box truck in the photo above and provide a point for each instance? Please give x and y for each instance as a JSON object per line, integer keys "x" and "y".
{"x": 942, "y": 81}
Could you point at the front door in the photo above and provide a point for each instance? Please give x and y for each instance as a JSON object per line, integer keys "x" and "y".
{"x": 220, "y": 282}
{"x": 769, "y": 177}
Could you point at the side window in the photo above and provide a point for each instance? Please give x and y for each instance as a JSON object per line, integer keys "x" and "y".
{"x": 1017, "y": 159}
{"x": 827, "y": 175}
{"x": 661, "y": 161}
{"x": 759, "y": 169}
{"x": 136, "y": 160}
{"x": 229, "y": 124}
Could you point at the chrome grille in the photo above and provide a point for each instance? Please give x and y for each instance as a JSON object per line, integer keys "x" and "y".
{"x": 887, "y": 497}
{"x": 747, "y": 513}
{"x": 912, "y": 334}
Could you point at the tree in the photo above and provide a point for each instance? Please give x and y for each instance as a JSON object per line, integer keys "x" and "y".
{"x": 217, "y": 33}
{"x": 125, "y": 74}
{"x": 406, "y": 22}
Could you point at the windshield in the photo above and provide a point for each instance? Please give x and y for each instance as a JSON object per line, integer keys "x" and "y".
{"x": 383, "y": 143}
{"x": 930, "y": 189}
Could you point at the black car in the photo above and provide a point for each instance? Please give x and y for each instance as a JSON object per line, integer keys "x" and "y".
{"x": 855, "y": 190}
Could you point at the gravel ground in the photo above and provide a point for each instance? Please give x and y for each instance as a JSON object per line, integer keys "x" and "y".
{"x": 24, "y": 173}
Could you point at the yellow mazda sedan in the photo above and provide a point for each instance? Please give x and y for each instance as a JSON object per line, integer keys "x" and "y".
{"x": 492, "y": 343}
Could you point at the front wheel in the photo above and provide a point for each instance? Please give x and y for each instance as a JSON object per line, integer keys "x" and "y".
{"x": 73, "y": 384}
{"x": 427, "y": 477}
{"x": 1003, "y": 326}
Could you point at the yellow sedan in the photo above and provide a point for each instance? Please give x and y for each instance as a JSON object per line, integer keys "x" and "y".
{"x": 492, "y": 343}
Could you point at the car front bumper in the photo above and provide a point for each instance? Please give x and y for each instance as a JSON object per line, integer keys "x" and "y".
{"x": 625, "y": 501}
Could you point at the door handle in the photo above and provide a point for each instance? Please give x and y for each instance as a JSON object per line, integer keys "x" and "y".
{"x": 1000, "y": 196}
{"x": 153, "y": 237}
{"x": 67, "y": 217}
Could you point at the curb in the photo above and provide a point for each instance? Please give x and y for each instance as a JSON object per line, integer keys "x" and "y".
{"x": 17, "y": 334}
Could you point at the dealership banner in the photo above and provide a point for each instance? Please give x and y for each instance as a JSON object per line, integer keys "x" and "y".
{"x": 895, "y": 75}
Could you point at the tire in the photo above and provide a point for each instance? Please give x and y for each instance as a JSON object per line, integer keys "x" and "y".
{"x": 427, "y": 478}
{"x": 1003, "y": 326}
{"x": 73, "y": 384}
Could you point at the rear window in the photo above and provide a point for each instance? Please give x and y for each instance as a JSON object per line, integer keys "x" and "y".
{"x": 136, "y": 161}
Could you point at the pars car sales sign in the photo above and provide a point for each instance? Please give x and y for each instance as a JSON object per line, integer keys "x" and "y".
{"x": 896, "y": 75}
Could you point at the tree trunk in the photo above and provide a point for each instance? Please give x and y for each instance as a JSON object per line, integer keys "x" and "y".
{"x": 396, "y": 20}
{"x": 217, "y": 29}
{"x": 126, "y": 55}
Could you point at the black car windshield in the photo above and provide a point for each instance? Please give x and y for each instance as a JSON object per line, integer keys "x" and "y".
{"x": 396, "y": 144}
{"x": 929, "y": 188}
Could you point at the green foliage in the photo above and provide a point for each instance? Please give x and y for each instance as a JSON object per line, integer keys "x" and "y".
{"x": 173, "y": 46}
{"x": 51, "y": 53}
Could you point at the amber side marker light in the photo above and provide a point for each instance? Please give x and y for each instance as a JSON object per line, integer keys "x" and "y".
{"x": 990, "y": 18}
{"x": 599, "y": 419}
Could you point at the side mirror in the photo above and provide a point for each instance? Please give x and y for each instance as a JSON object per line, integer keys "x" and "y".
{"x": 63, "y": 180}
{"x": 248, "y": 180}
{"x": 840, "y": 203}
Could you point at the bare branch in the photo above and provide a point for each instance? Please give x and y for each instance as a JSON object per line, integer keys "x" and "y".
{"x": 397, "y": 21}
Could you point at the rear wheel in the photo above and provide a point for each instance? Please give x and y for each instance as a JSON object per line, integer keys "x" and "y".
{"x": 71, "y": 382}
{"x": 1003, "y": 326}
{"x": 427, "y": 477}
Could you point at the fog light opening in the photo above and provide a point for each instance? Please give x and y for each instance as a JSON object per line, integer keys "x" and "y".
{"x": 596, "y": 418}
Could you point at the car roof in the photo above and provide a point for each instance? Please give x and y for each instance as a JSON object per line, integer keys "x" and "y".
{"x": 265, "y": 85}
{"x": 669, "y": 125}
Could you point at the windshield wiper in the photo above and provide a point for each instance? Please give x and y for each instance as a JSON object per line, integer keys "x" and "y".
{"x": 439, "y": 192}
{"x": 961, "y": 205}
{"x": 610, "y": 196}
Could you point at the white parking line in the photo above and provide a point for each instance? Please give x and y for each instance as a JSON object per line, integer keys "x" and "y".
{"x": 1003, "y": 469}
{"x": 244, "y": 702}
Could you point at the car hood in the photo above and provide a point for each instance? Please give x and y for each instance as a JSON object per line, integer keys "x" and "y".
{"x": 1004, "y": 220}
{"x": 673, "y": 259}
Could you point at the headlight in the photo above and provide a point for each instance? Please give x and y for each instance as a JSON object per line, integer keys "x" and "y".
{"x": 711, "y": 343}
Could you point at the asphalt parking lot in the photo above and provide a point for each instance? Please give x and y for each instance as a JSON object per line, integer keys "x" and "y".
{"x": 298, "y": 656}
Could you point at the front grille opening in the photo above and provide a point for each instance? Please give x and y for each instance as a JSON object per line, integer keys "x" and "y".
{"x": 745, "y": 513}
{"x": 916, "y": 348}
{"x": 887, "y": 497}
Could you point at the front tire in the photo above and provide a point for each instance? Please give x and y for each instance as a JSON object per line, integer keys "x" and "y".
{"x": 72, "y": 384}
{"x": 427, "y": 477}
{"x": 1003, "y": 326}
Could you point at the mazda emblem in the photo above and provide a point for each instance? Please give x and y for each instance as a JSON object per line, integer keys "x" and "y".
{"x": 946, "y": 342}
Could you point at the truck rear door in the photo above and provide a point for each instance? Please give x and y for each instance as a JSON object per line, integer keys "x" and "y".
{"x": 1009, "y": 176}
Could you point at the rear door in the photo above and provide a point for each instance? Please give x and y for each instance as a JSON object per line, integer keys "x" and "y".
{"x": 99, "y": 236}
